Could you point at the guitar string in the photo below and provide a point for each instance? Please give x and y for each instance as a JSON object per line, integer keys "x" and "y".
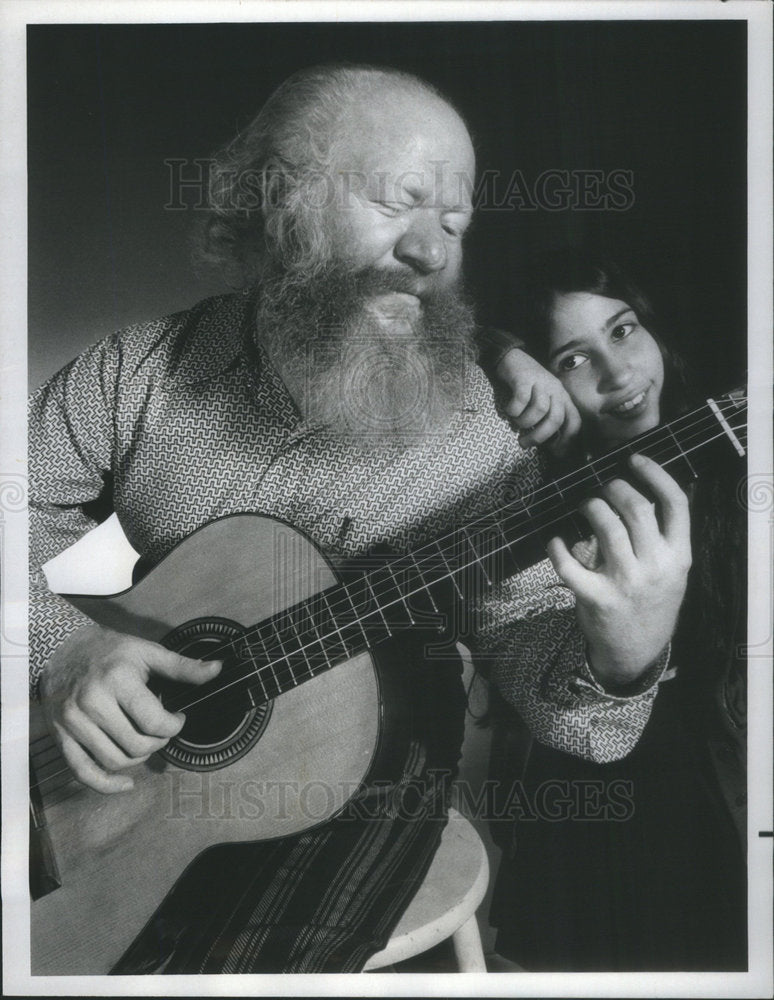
{"x": 75, "y": 787}
{"x": 519, "y": 509}
{"x": 267, "y": 669}
{"x": 284, "y": 618}
{"x": 319, "y": 640}
{"x": 426, "y": 587}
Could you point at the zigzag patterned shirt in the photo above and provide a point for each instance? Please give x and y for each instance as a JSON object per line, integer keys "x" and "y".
{"x": 185, "y": 420}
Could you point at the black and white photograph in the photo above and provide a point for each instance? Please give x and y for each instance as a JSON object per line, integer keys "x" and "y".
{"x": 386, "y": 498}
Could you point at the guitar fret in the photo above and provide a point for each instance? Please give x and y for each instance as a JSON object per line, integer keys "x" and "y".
{"x": 498, "y": 556}
{"x": 268, "y": 664}
{"x": 477, "y": 556}
{"x": 389, "y": 597}
{"x": 313, "y": 659}
{"x": 679, "y": 448}
{"x": 578, "y": 529}
{"x": 317, "y": 634}
{"x": 378, "y": 605}
{"x": 349, "y": 618}
{"x": 357, "y": 618}
{"x": 285, "y": 656}
{"x": 400, "y": 592}
{"x": 450, "y": 571}
{"x": 332, "y": 616}
{"x": 424, "y": 582}
{"x": 248, "y": 654}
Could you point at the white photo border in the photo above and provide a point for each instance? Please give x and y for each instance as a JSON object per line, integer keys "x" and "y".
{"x": 14, "y": 18}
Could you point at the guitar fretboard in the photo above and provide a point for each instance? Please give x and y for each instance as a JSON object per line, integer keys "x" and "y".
{"x": 419, "y": 590}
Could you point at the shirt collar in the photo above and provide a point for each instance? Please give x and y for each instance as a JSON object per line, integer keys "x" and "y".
{"x": 221, "y": 337}
{"x": 214, "y": 338}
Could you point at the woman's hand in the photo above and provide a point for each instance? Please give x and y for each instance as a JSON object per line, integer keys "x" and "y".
{"x": 627, "y": 606}
{"x": 537, "y": 404}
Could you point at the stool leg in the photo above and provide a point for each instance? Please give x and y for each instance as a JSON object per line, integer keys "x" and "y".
{"x": 467, "y": 947}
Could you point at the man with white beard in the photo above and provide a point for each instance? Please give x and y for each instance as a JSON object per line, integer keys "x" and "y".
{"x": 336, "y": 393}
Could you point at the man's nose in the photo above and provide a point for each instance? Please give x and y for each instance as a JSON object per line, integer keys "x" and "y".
{"x": 423, "y": 246}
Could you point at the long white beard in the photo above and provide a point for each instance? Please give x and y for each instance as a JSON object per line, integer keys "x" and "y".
{"x": 369, "y": 378}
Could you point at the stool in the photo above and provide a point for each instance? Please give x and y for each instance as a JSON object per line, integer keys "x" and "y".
{"x": 446, "y": 903}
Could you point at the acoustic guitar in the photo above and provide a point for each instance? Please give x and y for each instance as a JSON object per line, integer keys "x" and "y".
{"x": 297, "y": 720}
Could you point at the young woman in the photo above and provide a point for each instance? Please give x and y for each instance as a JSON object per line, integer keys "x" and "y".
{"x": 637, "y": 864}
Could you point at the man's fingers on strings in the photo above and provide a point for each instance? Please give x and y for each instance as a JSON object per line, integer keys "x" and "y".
{"x": 92, "y": 759}
{"x": 176, "y": 667}
{"x": 612, "y": 533}
{"x": 87, "y": 771}
{"x": 149, "y": 715}
{"x": 98, "y": 741}
{"x": 571, "y": 572}
{"x": 671, "y": 500}
{"x": 110, "y": 718}
{"x": 636, "y": 512}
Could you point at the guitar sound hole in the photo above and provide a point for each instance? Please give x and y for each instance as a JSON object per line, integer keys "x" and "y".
{"x": 222, "y": 721}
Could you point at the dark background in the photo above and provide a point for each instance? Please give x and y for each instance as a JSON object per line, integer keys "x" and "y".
{"x": 665, "y": 100}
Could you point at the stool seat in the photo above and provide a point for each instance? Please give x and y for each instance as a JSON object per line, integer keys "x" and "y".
{"x": 446, "y": 903}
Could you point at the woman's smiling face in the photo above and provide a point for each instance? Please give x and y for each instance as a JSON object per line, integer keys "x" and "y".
{"x": 608, "y": 363}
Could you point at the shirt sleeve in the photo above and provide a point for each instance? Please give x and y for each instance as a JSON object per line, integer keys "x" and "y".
{"x": 530, "y": 646}
{"x": 71, "y": 439}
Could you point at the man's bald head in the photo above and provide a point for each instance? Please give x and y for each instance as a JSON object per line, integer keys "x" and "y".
{"x": 268, "y": 186}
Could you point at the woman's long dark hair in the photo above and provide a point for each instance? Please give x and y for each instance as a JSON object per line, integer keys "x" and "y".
{"x": 711, "y": 625}
{"x": 565, "y": 271}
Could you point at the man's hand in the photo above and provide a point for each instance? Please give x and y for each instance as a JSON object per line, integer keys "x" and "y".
{"x": 538, "y": 406}
{"x": 627, "y": 606}
{"x": 95, "y": 696}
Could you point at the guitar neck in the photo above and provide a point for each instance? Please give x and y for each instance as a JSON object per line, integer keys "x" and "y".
{"x": 419, "y": 589}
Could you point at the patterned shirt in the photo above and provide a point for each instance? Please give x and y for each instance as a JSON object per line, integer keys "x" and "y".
{"x": 184, "y": 419}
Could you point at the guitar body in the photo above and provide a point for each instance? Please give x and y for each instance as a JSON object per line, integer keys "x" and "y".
{"x": 247, "y": 767}
{"x": 266, "y": 772}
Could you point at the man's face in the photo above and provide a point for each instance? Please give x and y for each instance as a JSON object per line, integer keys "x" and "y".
{"x": 372, "y": 338}
{"x": 403, "y": 175}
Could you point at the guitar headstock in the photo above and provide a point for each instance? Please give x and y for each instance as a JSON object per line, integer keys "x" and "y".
{"x": 738, "y": 397}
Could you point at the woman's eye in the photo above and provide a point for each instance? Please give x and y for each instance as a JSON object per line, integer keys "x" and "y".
{"x": 622, "y": 330}
{"x": 571, "y": 361}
